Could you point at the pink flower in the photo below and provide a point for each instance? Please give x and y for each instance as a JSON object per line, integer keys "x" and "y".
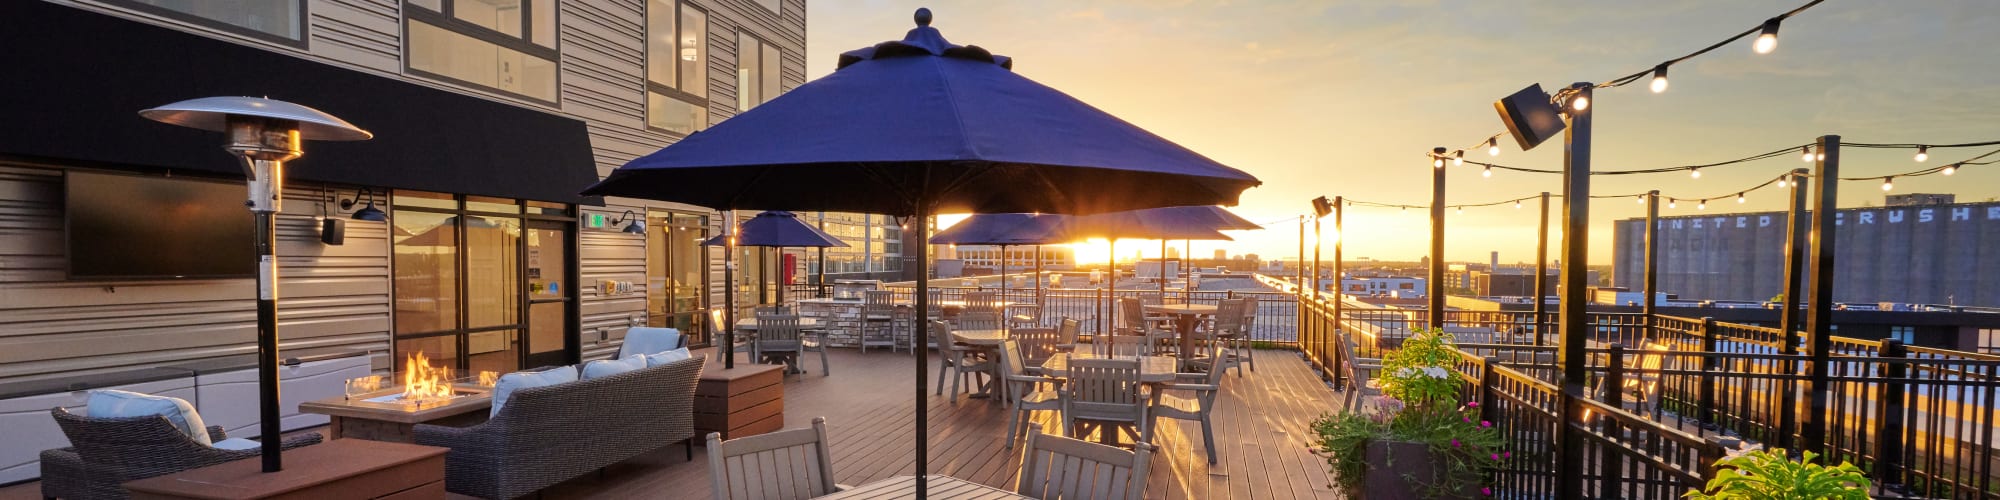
{"x": 1496, "y": 456}
{"x": 1454, "y": 443}
{"x": 1484, "y": 423}
{"x": 1474, "y": 404}
{"x": 1486, "y": 491}
{"x": 1507, "y": 454}
{"x": 1467, "y": 419}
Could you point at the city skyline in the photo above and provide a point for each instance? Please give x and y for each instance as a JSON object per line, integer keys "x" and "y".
{"x": 1330, "y": 99}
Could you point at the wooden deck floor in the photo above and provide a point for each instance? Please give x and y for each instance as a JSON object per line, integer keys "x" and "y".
{"x": 1260, "y": 429}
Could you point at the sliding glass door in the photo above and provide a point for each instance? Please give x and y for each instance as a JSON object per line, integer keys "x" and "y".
{"x": 460, "y": 295}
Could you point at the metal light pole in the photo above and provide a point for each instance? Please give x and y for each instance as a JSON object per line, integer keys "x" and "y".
{"x": 1542, "y": 273}
{"x": 1819, "y": 296}
{"x": 1573, "y": 315}
{"x": 264, "y": 134}
{"x": 1436, "y": 299}
{"x": 1788, "y": 319}
{"x": 1652, "y": 258}
{"x": 728, "y": 325}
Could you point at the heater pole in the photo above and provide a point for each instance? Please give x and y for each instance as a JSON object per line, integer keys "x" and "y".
{"x": 728, "y": 325}
{"x": 265, "y": 188}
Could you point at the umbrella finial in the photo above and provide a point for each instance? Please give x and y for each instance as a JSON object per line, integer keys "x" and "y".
{"x": 923, "y": 16}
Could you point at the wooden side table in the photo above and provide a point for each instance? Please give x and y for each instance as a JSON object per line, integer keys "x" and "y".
{"x": 344, "y": 468}
{"x": 742, "y": 401}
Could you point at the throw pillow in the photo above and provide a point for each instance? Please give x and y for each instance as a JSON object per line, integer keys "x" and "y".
{"x": 521, "y": 380}
{"x": 608, "y": 367}
{"x": 668, "y": 357}
{"x": 649, "y": 340}
{"x": 107, "y": 403}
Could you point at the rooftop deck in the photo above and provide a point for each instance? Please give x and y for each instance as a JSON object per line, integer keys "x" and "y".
{"x": 1260, "y": 428}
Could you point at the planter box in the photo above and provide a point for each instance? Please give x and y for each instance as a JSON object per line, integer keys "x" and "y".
{"x": 1403, "y": 471}
{"x": 742, "y": 401}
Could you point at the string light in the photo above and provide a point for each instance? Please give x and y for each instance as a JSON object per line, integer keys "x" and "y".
{"x": 1923, "y": 153}
{"x": 1671, "y": 203}
{"x": 1458, "y": 158}
{"x": 1781, "y": 181}
{"x": 1660, "y": 78}
{"x": 1493, "y": 146}
{"x": 1888, "y": 183}
{"x": 1461, "y": 210}
{"x": 1767, "y": 41}
{"x": 1695, "y": 172}
{"x": 1806, "y": 154}
{"x": 1739, "y": 198}
{"x": 1517, "y": 204}
{"x": 1640, "y": 199}
{"x": 1488, "y": 172}
{"x": 1437, "y": 162}
{"x": 1701, "y": 205}
{"x": 1949, "y": 169}
{"x": 1580, "y": 102}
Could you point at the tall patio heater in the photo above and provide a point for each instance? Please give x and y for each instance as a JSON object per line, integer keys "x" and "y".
{"x": 264, "y": 134}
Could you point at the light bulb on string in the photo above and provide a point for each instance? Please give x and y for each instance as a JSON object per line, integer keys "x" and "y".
{"x": 1437, "y": 162}
{"x": 1694, "y": 172}
{"x": 1888, "y": 183}
{"x": 1458, "y": 158}
{"x": 1781, "y": 181}
{"x": 1517, "y": 204}
{"x": 1580, "y": 102}
{"x": 1461, "y": 210}
{"x": 1739, "y": 198}
{"x": 1640, "y": 199}
{"x": 1949, "y": 169}
{"x": 1659, "y": 78}
{"x": 1701, "y": 205}
{"x": 1672, "y": 203}
{"x": 1923, "y": 153}
{"x": 1488, "y": 172}
{"x": 1767, "y": 40}
{"x": 1493, "y": 146}
{"x": 1806, "y": 154}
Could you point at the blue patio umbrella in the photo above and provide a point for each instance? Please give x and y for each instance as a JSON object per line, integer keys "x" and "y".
{"x": 775, "y": 229}
{"x": 1004, "y": 230}
{"x": 921, "y": 126}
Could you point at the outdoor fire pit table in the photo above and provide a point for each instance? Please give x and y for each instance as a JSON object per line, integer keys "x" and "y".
{"x": 373, "y": 416}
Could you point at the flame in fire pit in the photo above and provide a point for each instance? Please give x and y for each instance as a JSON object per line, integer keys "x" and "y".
{"x": 423, "y": 383}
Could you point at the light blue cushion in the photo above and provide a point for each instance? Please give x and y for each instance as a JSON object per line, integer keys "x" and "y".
{"x": 121, "y": 404}
{"x": 237, "y": 444}
{"x": 649, "y": 340}
{"x": 609, "y": 367}
{"x": 521, "y": 380}
{"x": 668, "y": 357}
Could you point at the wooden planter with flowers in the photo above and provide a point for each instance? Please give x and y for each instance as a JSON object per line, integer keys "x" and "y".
{"x": 1418, "y": 442}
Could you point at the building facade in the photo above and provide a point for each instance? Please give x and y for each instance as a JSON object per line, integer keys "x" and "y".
{"x": 1018, "y": 258}
{"x": 489, "y": 115}
{"x": 1943, "y": 254}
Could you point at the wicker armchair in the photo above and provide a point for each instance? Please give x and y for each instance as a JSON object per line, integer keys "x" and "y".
{"x": 546, "y": 435}
{"x": 106, "y": 453}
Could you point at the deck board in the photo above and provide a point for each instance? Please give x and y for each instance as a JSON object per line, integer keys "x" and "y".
{"x": 1260, "y": 428}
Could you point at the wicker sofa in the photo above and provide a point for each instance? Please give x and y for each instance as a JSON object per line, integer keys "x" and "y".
{"x": 107, "y": 452}
{"x": 546, "y": 435}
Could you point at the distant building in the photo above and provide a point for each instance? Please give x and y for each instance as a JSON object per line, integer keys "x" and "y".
{"x": 1019, "y": 258}
{"x": 1398, "y": 286}
{"x": 1920, "y": 200}
{"x": 1940, "y": 327}
{"x": 1221, "y": 254}
{"x": 1519, "y": 281}
{"x": 1943, "y": 254}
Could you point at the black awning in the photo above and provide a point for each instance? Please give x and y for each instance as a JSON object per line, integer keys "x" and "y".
{"x": 76, "y": 80}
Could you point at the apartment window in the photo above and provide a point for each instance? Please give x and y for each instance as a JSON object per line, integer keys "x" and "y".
{"x": 756, "y": 71}
{"x": 1906, "y": 334}
{"x": 504, "y": 45}
{"x": 1989, "y": 340}
{"x": 676, "y": 67}
{"x": 280, "y": 21}
{"x": 775, "y": 6}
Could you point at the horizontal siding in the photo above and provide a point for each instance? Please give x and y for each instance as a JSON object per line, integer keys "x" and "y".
{"x": 363, "y": 32}
{"x": 334, "y": 298}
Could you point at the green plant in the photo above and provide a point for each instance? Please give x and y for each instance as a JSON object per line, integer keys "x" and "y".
{"x": 1770, "y": 474}
{"x": 1464, "y": 450}
{"x": 1420, "y": 372}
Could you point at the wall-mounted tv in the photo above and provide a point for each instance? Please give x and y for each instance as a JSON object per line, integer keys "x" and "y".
{"x": 126, "y": 226}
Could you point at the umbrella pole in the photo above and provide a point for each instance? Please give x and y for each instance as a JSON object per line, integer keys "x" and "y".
{"x": 923, "y": 332}
{"x": 1187, "y": 271}
{"x": 728, "y": 290}
{"x": 1111, "y": 284}
{"x": 1038, "y": 284}
{"x": 1163, "y": 271}
{"x": 784, "y": 272}
{"x": 1003, "y": 286}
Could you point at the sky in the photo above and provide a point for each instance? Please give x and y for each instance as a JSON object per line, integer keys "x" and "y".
{"x": 1345, "y": 98}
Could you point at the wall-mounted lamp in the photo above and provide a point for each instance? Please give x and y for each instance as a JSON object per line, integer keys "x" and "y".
{"x": 635, "y": 226}
{"x": 368, "y": 210}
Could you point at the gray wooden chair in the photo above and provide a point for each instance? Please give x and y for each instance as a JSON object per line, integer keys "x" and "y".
{"x": 1360, "y": 375}
{"x": 781, "y": 335}
{"x": 718, "y": 327}
{"x": 983, "y": 302}
{"x": 1191, "y": 397}
{"x": 105, "y": 453}
{"x": 783, "y": 465}
{"x": 878, "y": 320}
{"x": 1126, "y": 346}
{"x": 1105, "y": 391}
{"x": 1037, "y": 345}
{"x": 1242, "y": 346}
{"x": 1024, "y": 389}
{"x": 1056, "y": 467}
{"x": 1227, "y": 324}
{"x": 1067, "y": 332}
{"x": 979, "y": 320}
{"x": 961, "y": 360}
{"x": 1137, "y": 323}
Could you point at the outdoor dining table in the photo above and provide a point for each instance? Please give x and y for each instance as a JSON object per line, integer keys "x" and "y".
{"x": 988, "y": 339}
{"x": 747, "y": 327}
{"x": 939, "y": 487}
{"x": 1186, "y": 316}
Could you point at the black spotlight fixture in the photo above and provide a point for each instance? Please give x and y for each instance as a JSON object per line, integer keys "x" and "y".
{"x": 1530, "y": 117}
{"x": 635, "y": 226}
{"x": 368, "y": 211}
{"x": 1322, "y": 207}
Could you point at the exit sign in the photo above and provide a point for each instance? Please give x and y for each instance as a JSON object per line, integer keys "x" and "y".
{"x": 594, "y": 221}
